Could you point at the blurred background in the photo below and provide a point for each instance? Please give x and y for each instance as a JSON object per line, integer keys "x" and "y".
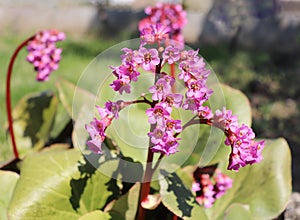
{"x": 251, "y": 45}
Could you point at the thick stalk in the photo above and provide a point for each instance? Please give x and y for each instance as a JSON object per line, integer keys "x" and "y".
{"x": 145, "y": 186}
{"x": 8, "y": 96}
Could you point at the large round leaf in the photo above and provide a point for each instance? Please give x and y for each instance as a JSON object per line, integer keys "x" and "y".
{"x": 61, "y": 121}
{"x": 33, "y": 120}
{"x": 73, "y": 97}
{"x": 237, "y": 212}
{"x": 263, "y": 188}
{"x": 126, "y": 206}
{"x": 96, "y": 215}
{"x": 8, "y": 181}
{"x": 6, "y": 153}
{"x": 177, "y": 196}
{"x": 61, "y": 184}
{"x": 260, "y": 191}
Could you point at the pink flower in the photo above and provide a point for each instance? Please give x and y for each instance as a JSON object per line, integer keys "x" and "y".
{"x": 111, "y": 109}
{"x": 186, "y": 69}
{"x": 173, "y": 125}
{"x": 147, "y": 58}
{"x": 192, "y": 104}
{"x": 126, "y": 70}
{"x": 96, "y": 130}
{"x": 207, "y": 191}
{"x": 225, "y": 120}
{"x": 121, "y": 85}
{"x": 244, "y": 150}
{"x": 170, "y": 16}
{"x": 157, "y": 135}
{"x": 197, "y": 89}
{"x": 171, "y": 54}
{"x": 157, "y": 114}
{"x": 223, "y": 183}
{"x": 172, "y": 100}
{"x": 196, "y": 187}
{"x": 43, "y": 53}
{"x": 167, "y": 146}
{"x": 160, "y": 90}
{"x": 191, "y": 55}
{"x": 128, "y": 55}
{"x": 154, "y": 34}
{"x": 205, "y": 112}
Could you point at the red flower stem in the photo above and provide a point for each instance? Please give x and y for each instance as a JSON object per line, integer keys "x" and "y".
{"x": 172, "y": 70}
{"x": 8, "y": 96}
{"x": 145, "y": 186}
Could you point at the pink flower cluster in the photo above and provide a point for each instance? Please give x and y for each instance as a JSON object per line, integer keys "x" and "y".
{"x": 43, "y": 53}
{"x": 244, "y": 150}
{"x": 164, "y": 21}
{"x": 96, "y": 128}
{"x": 162, "y": 137}
{"x": 194, "y": 73}
{"x": 207, "y": 189}
{"x": 131, "y": 60}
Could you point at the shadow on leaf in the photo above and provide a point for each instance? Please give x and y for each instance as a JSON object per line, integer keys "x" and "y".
{"x": 184, "y": 196}
{"x": 86, "y": 169}
{"x": 121, "y": 169}
{"x": 31, "y": 111}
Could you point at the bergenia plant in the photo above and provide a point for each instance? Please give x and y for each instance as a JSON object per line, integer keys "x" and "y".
{"x": 158, "y": 49}
{"x": 158, "y": 138}
{"x": 45, "y": 57}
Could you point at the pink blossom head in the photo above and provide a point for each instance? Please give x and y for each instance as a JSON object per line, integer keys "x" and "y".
{"x": 209, "y": 185}
{"x": 170, "y": 16}
{"x": 43, "y": 53}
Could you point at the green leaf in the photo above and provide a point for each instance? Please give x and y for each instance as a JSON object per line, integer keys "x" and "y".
{"x": 74, "y": 98}
{"x": 56, "y": 147}
{"x": 33, "y": 120}
{"x": 62, "y": 119}
{"x": 6, "y": 153}
{"x": 126, "y": 206}
{"x": 177, "y": 196}
{"x": 43, "y": 190}
{"x": 260, "y": 191}
{"x": 8, "y": 181}
{"x": 264, "y": 188}
{"x": 129, "y": 132}
{"x": 237, "y": 212}
{"x": 232, "y": 99}
{"x": 96, "y": 215}
{"x": 80, "y": 134}
{"x": 62, "y": 184}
